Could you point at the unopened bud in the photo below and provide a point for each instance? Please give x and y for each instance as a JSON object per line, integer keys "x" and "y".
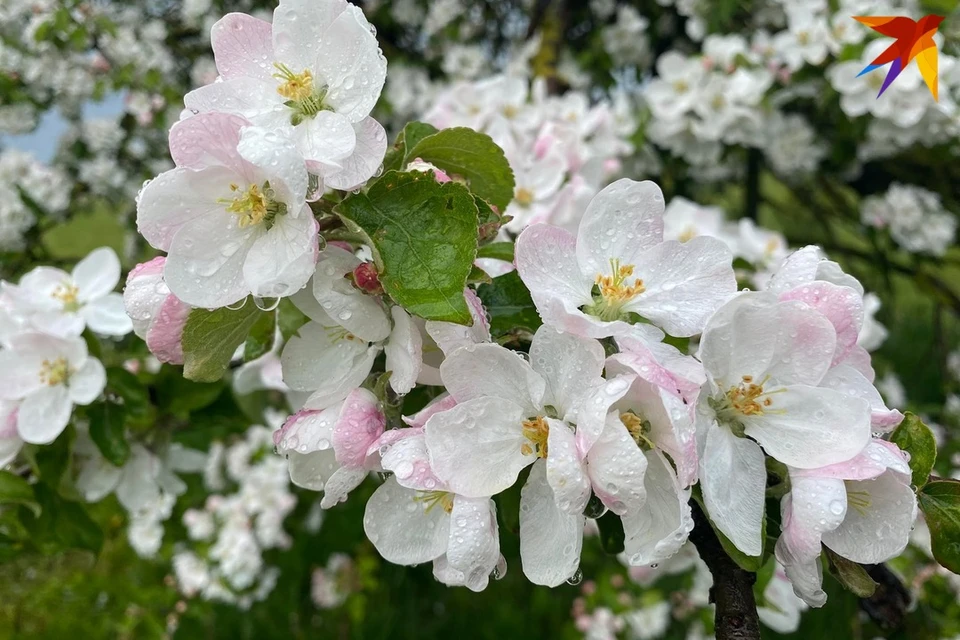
{"x": 366, "y": 278}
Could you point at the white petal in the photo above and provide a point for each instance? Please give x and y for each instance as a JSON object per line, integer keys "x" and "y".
{"x": 848, "y": 380}
{"x": 312, "y": 470}
{"x": 242, "y": 46}
{"x": 404, "y": 352}
{"x": 366, "y": 158}
{"x": 97, "y": 478}
{"x": 569, "y": 365}
{"x": 279, "y": 161}
{"x": 86, "y": 383}
{"x": 138, "y": 483}
{"x": 685, "y": 283}
{"x": 492, "y": 371}
{"x": 733, "y": 477}
{"x": 450, "y": 336}
{"x": 594, "y": 407}
{"x": 409, "y": 461}
{"x": 475, "y": 447}
{"x": 621, "y": 222}
{"x": 546, "y": 262}
{"x": 44, "y": 414}
{"x": 807, "y": 579}
{"x": 282, "y": 260}
{"x": 210, "y": 140}
{"x": 325, "y": 141}
{"x": 474, "y": 546}
{"x": 254, "y": 99}
{"x": 97, "y": 274}
{"x": 658, "y": 530}
{"x": 550, "y": 539}
{"x": 565, "y": 470}
{"x": 813, "y": 506}
{"x": 340, "y": 484}
{"x": 320, "y": 358}
{"x": 880, "y": 516}
{"x": 360, "y": 313}
{"x": 616, "y": 467}
{"x": 405, "y": 529}
{"x": 107, "y": 316}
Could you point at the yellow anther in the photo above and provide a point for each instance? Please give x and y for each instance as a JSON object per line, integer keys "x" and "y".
{"x": 296, "y": 86}
{"x": 67, "y": 294}
{"x": 523, "y": 196}
{"x": 680, "y": 86}
{"x": 434, "y": 498}
{"x": 749, "y": 398}
{"x": 250, "y": 205}
{"x": 637, "y": 427}
{"x": 615, "y": 288}
{"x": 718, "y": 102}
{"x": 536, "y": 431}
{"x": 55, "y": 372}
{"x": 688, "y": 234}
{"x": 510, "y": 111}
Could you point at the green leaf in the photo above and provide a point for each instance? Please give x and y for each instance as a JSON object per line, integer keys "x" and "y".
{"x": 940, "y": 502}
{"x": 424, "y": 240}
{"x": 472, "y": 155}
{"x": 52, "y": 462}
{"x": 915, "y": 438}
{"x": 509, "y": 305}
{"x": 179, "y": 396}
{"x": 16, "y": 490}
{"x": 497, "y": 250}
{"x": 850, "y": 574}
{"x": 289, "y": 318}
{"x": 84, "y": 232}
{"x": 106, "y": 430}
{"x": 764, "y": 576}
{"x": 611, "y": 533}
{"x": 490, "y": 220}
{"x": 210, "y": 339}
{"x": 61, "y": 524}
{"x": 136, "y": 397}
{"x": 396, "y": 158}
{"x": 261, "y": 337}
{"x": 478, "y": 276}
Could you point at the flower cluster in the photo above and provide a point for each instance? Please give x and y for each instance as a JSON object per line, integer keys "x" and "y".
{"x": 914, "y": 217}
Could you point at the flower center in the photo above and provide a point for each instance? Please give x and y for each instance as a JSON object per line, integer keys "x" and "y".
{"x": 638, "y": 428}
{"x": 718, "y": 102}
{"x": 254, "y": 205}
{"x": 67, "y": 294}
{"x": 688, "y": 234}
{"x": 747, "y": 397}
{"x": 614, "y": 291}
{"x": 510, "y": 111}
{"x": 536, "y": 431}
{"x": 803, "y": 37}
{"x": 303, "y": 96}
{"x": 55, "y": 372}
{"x": 680, "y": 86}
{"x": 336, "y": 333}
{"x": 434, "y": 498}
{"x": 524, "y": 196}
{"x": 859, "y": 500}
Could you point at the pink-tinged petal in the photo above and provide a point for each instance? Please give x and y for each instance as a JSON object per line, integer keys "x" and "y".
{"x": 474, "y": 545}
{"x": 569, "y": 365}
{"x": 281, "y": 261}
{"x": 405, "y": 528}
{"x": 879, "y": 528}
{"x": 685, "y": 283}
{"x": 565, "y": 469}
{"x": 43, "y": 415}
{"x": 438, "y": 404}
{"x": 96, "y": 275}
{"x": 87, "y": 382}
{"x": 450, "y": 336}
{"x": 661, "y": 528}
{"x": 661, "y": 364}
{"x": 107, "y": 316}
{"x": 616, "y": 467}
{"x": 409, "y": 461}
{"x": 210, "y": 276}
{"x": 339, "y": 485}
{"x": 360, "y": 424}
{"x": 242, "y": 46}
{"x": 621, "y": 223}
{"x": 210, "y": 140}
{"x": 842, "y": 306}
{"x": 179, "y": 196}
{"x": 546, "y": 262}
{"x": 550, "y": 539}
{"x": 876, "y": 458}
{"x": 366, "y": 158}
{"x": 358, "y": 312}
{"x": 813, "y": 506}
{"x": 251, "y": 98}
{"x": 736, "y": 507}
{"x": 477, "y": 447}
{"x": 830, "y": 271}
{"x": 859, "y": 358}
{"x": 404, "y": 352}
{"x": 492, "y": 371}
{"x": 307, "y": 431}
{"x": 143, "y": 294}
{"x": 848, "y": 380}
{"x": 593, "y": 409}
{"x": 164, "y": 335}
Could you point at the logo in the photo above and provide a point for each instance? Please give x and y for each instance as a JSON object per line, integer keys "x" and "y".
{"x": 914, "y": 40}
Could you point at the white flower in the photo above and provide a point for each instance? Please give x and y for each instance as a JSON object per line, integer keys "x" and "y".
{"x": 232, "y": 215}
{"x": 62, "y": 304}
{"x": 48, "y": 375}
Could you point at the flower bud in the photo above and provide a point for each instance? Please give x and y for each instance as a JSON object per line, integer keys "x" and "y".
{"x": 158, "y": 316}
{"x": 366, "y": 278}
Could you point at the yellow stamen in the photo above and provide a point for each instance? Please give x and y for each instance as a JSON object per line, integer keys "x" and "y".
{"x": 250, "y": 205}
{"x": 614, "y": 288}
{"x": 637, "y": 427}
{"x": 296, "y": 86}
{"x": 524, "y": 197}
{"x": 67, "y": 294}
{"x": 337, "y": 333}
{"x": 535, "y": 430}
{"x": 688, "y": 234}
{"x": 434, "y": 498}
{"x": 680, "y": 86}
{"x": 510, "y": 111}
{"x": 718, "y": 102}
{"x": 54, "y": 373}
{"x": 749, "y": 398}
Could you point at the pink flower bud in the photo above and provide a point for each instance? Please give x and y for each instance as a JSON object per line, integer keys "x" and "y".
{"x": 366, "y": 278}
{"x": 158, "y": 316}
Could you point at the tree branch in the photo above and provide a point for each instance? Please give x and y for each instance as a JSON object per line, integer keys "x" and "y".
{"x": 732, "y": 591}
{"x": 888, "y": 605}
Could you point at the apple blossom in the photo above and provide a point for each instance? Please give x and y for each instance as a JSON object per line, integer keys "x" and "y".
{"x": 232, "y": 215}
{"x": 158, "y": 316}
